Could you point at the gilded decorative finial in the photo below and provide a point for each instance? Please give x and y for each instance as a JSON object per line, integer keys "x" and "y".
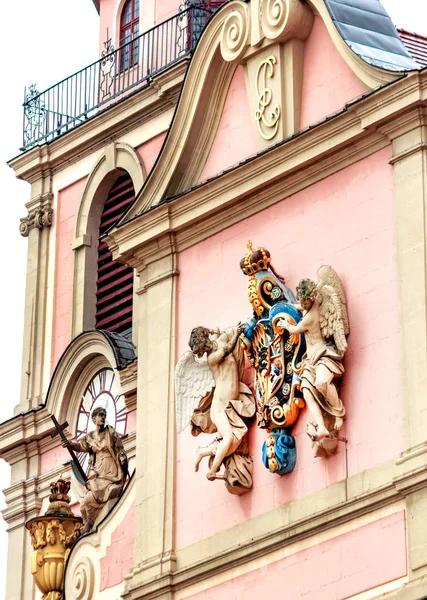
{"x": 249, "y": 246}
{"x": 52, "y": 536}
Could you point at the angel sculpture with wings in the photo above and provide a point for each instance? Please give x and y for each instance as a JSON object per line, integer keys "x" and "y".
{"x": 212, "y": 398}
{"x": 325, "y": 326}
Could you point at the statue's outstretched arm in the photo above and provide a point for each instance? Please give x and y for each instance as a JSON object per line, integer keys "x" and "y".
{"x": 76, "y": 446}
{"x": 302, "y": 326}
{"x": 227, "y": 347}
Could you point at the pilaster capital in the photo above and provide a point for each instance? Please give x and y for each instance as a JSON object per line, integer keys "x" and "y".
{"x": 40, "y": 214}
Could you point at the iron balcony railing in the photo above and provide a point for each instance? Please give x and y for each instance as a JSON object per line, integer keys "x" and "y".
{"x": 81, "y": 96}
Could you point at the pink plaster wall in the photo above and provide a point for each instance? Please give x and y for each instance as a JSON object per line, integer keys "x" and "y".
{"x": 150, "y": 150}
{"x": 52, "y": 459}
{"x": 106, "y": 21}
{"x": 68, "y": 202}
{"x": 328, "y": 82}
{"x": 339, "y": 568}
{"x": 166, "y": 9}
{"x": 235, "y": 138}
{"x": 118, "y": 560}
{"x": 346, "y": 221}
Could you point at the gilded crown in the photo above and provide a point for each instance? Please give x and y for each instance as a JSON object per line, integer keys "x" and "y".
{"x": 255, "y": 260}
{"x": 59, "y": 490}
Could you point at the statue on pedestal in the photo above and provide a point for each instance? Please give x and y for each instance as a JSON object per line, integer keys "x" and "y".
{"x": 212, "y": 398}
{"x": 108, "y": 466}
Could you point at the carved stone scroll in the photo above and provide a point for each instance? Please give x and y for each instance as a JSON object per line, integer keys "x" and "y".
{"x": 38, "y": 217}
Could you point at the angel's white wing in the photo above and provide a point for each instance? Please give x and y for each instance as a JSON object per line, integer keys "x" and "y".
{"x": 333, "y": 309}
{"x": 193, "y": 380}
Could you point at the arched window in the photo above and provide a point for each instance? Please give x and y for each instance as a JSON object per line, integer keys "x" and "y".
{"x": 114, "y": 285}
{"x": 129, "y": 31}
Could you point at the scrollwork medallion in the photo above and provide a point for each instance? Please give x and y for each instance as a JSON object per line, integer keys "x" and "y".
{"x": 267, "y": 118}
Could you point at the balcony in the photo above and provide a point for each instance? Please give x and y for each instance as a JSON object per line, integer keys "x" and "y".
{"x": 117, "y": 74}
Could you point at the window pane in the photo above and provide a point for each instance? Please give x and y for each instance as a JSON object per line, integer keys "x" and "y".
{"x": 127, "y": 12}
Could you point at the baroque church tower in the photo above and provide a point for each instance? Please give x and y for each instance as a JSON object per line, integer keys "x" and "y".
{"x": 236, "y": 426}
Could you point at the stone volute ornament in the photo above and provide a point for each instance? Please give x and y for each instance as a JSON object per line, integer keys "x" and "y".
{"x": 296, "y": 349}
{"x": 277, "y": 20}
{"x": 211, "y": 397}
{"x": 52, "y": 536}
{"x": 38, "y": 217}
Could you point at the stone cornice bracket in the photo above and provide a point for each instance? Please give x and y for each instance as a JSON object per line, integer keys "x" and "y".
{"x": 39, "y": 216}
{"x": 262, "y": 22}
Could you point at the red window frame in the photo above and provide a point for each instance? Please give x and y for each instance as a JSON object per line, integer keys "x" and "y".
{"x": 128, "y": 32}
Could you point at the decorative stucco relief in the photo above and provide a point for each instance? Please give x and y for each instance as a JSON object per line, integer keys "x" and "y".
{"x": 296, "y": 347}
{"x": 268, "y": 37}
{"x": 212, "y": 398}
{"x": 268, "y": 113}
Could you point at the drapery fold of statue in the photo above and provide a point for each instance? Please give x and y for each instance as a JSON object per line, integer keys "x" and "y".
{"x": 212, "y": 398}
{"x": 325, "y": 326}
{"x": 107, "y": 467}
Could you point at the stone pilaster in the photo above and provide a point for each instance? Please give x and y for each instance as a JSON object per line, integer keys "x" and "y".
{"x": 155, "y": 463}
{"x": 36, "y": 227}
{"x": 408, "y": 134}
{"x": 22, "y": 503}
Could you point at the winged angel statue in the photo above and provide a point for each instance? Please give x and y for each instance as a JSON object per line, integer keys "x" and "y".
{"x": 325, "y": 326}
{"x": 212, "y": 399}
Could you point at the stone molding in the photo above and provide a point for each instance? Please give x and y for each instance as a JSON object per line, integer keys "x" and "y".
{"x": 142, "y": 107}
{"x": 197, "y": 116}
{"x": 81, "y": 360}
{"x": 40, "y": 214}
{"x": 271, "y": 176}
{"x": 116, "y": 158}
{"x": 337, "y": 504}
{"x": 82, "y": 575}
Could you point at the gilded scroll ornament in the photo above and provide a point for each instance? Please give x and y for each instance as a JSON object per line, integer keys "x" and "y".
{"x": 211, "y": 397}
{"x": 273, "y": 356}
{"x": 296, "y": 350}
{"x": 267, "y": 116}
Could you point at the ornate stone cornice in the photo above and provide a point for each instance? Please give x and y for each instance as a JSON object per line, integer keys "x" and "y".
{"x": 336, "y": 505}
{"x": 40, "y": 214}
{"x": 275, "y": 174}
{"x": 150, "y": 102}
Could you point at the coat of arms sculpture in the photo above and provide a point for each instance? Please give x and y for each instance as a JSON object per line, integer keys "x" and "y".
{"x": 296, "y": 347}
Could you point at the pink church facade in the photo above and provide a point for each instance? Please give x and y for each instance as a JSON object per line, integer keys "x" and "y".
{"x": 321, "y": 162}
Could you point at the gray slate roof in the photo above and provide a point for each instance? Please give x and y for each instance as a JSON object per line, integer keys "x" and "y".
{"x": 369, "y": 31}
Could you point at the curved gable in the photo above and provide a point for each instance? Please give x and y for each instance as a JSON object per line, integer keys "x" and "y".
{"x": 242, "y": 34}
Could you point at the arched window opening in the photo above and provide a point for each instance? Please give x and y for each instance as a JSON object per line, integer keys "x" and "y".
{"x": 129, "y": 32}
{"x": 114, "y": 286}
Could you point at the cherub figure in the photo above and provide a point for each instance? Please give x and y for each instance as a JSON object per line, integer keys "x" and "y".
{"x": 211, "y": 396}
{"x": 325, "y": 326}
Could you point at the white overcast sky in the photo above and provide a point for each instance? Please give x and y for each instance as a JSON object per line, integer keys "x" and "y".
{"x": 43, "y": 42}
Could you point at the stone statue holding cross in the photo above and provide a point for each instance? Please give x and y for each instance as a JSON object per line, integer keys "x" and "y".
{"x": 108, "y": 466}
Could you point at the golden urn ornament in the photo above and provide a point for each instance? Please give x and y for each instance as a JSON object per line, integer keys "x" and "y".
{"x": 52, "y": 536}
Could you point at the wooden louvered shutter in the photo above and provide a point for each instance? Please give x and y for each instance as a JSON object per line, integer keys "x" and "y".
{"x": 114, "y": 286}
